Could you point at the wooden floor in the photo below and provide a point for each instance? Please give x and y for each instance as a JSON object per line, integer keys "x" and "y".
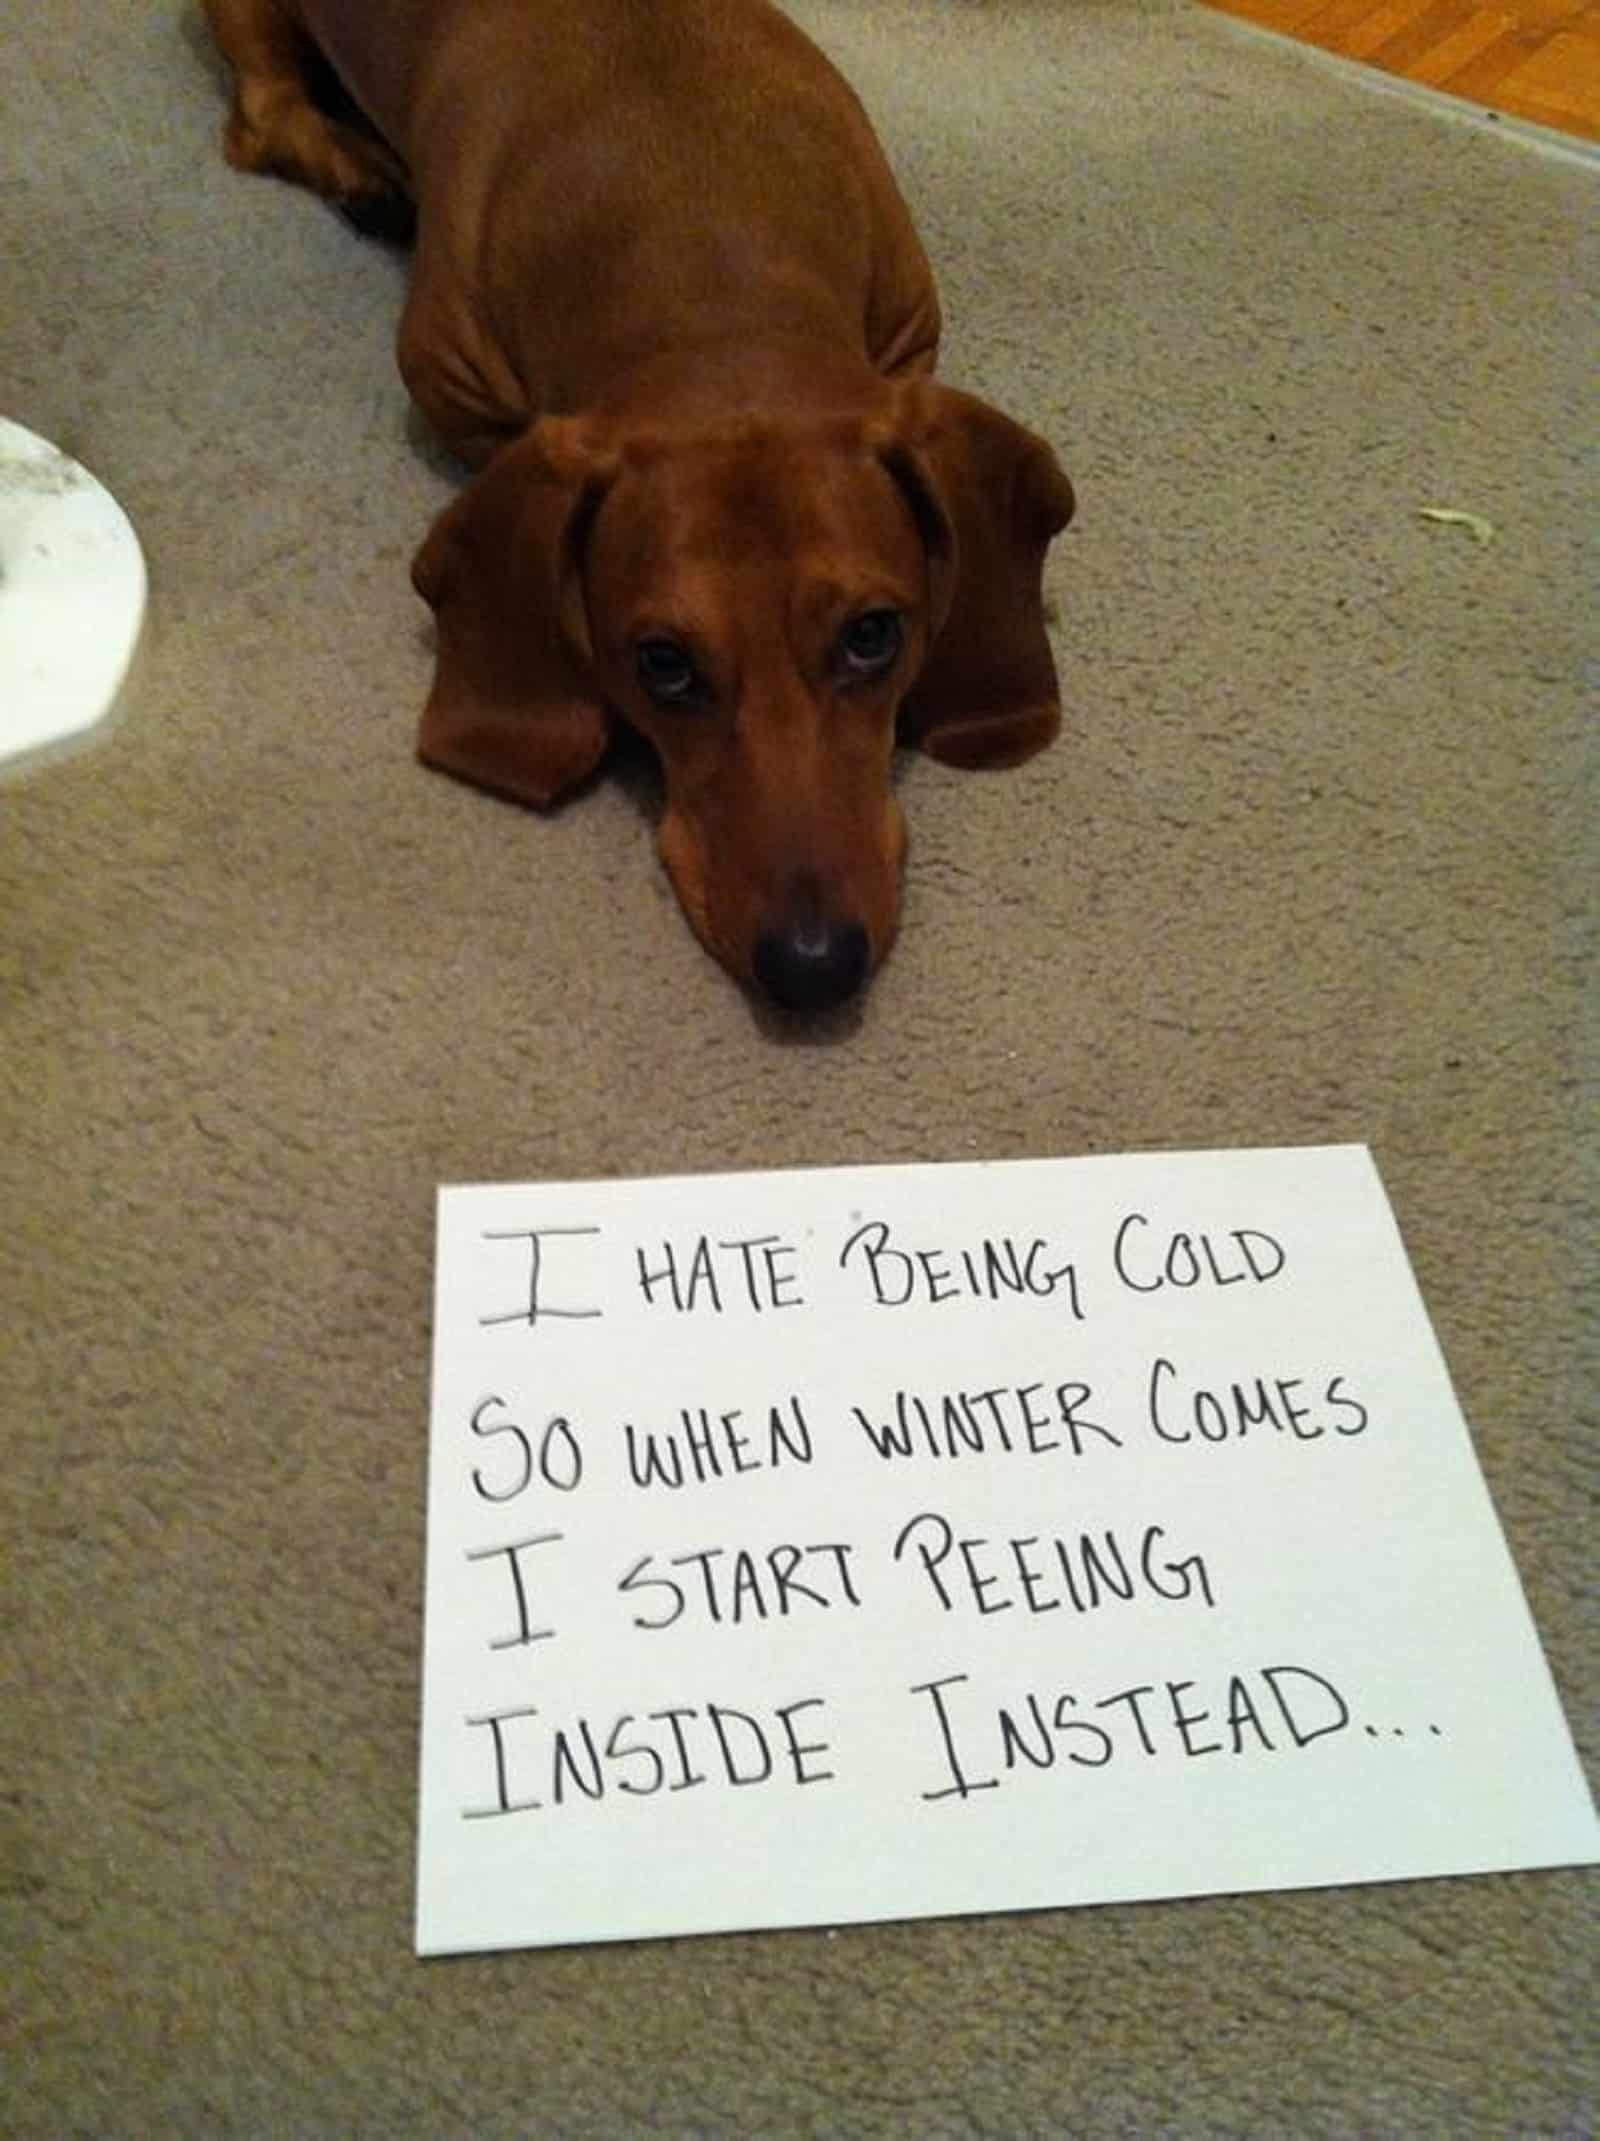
{"x": 1534, "y": 59}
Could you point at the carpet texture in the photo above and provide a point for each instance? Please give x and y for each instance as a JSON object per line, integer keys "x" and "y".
{"x": 1311, "y": 862}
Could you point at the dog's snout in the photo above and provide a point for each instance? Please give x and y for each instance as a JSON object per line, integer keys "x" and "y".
{"x": 808, "y": 965}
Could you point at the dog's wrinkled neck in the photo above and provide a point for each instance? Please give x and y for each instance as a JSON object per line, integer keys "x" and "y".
{"x": 718, "y": 386}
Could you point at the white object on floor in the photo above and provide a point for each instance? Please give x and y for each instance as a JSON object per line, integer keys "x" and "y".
{"x": 72, "y": 596}
{"x": 859, "y": 1701}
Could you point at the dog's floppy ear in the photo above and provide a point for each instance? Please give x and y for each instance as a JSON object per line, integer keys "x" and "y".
{"x": 992, "y": 497}
{"x": 513, "y": 706}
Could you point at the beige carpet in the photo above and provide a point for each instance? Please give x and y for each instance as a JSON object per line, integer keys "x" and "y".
{"x": 1312, "y": 862}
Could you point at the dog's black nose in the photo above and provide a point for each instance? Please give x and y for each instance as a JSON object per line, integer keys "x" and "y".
{"x": 810, "y": 965}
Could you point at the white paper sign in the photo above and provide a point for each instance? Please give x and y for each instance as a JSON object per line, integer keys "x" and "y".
{"x": 889, "y": 1542}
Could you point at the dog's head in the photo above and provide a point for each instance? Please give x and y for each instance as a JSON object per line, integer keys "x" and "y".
{"x": 771, "y": 592}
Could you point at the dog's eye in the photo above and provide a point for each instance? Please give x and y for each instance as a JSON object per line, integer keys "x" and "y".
{"x": 665, "y": 671}
{"x": 871, "y": 641}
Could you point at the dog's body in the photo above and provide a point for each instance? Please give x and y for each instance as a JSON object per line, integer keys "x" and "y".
{"x": 667, "y": 295}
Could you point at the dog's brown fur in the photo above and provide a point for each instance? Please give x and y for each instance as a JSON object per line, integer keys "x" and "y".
{"x": 668, "y": 298}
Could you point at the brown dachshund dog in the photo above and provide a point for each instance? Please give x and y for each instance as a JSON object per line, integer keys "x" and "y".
{"x": 667, "y": 296}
